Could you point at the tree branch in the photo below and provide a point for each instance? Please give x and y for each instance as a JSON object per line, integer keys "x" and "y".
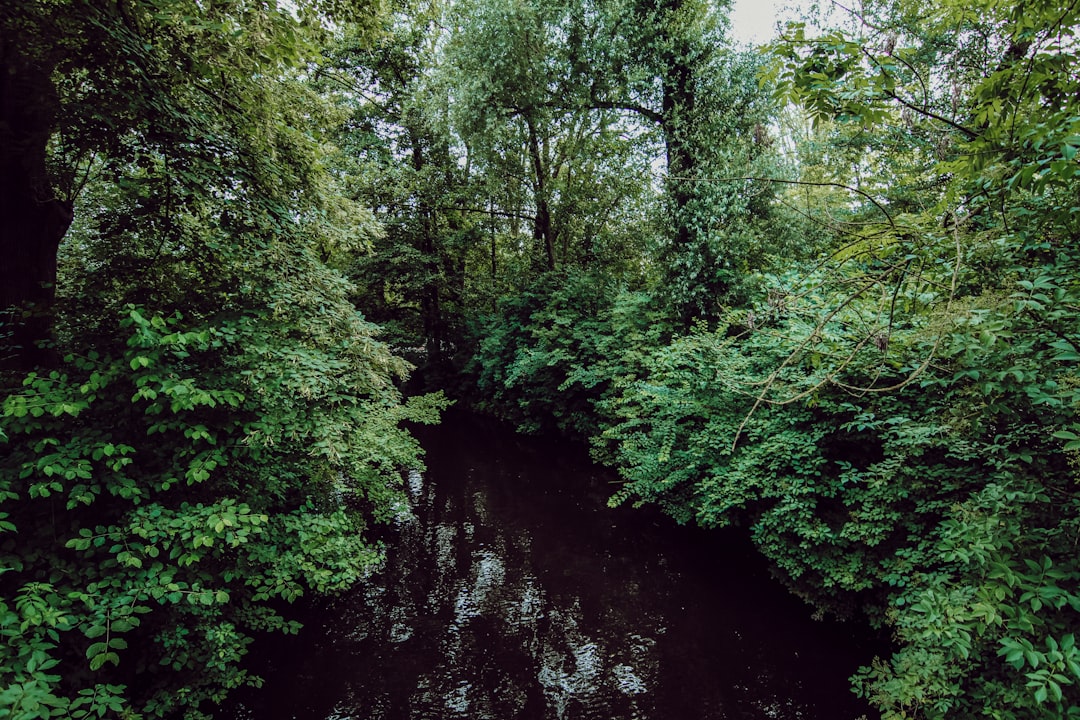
{"x": 652, "y": 115}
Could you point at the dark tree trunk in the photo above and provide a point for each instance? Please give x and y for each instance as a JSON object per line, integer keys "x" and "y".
{"x": 494, "y": 256}
{"x": 678, "y": 114}
{"x": 430, "y": 301}
{"x": 430, "y": 305}
{"x": 543, "y": 231}
{"x": 32, "y": 219}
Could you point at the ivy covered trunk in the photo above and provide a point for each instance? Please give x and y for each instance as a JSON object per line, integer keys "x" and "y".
{"x": 32, "y": 219}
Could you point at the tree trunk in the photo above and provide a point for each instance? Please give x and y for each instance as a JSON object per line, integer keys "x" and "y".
{"x": 678, "y": 114}
{"x": 32, "y": 219}
{"x": 542, "y": 227}
{"x": 430, "y": 306}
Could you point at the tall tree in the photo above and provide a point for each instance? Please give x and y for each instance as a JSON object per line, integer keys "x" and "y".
{"x": 400, "y": 163}
{"x": 504, "y": 70}
{"x": 520, "y": 104}
{"x": 34, "y": 217}
{"x": 82, "y": 78}
{"x": 216, "y": 427}
{"x": 669, "y": 66}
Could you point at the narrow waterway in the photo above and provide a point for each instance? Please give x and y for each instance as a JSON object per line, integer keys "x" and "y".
{"x": 513, "y": 592}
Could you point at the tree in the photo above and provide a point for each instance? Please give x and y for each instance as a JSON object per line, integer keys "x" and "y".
{"x": 214, "y": 428}
{"x": 83, "y": 79}
{"x": 668, "y": 65}
{"x": 400, "y": 164}
{"x": 895, "y": 422}
{"x": 973, "y": 243}
{"x": 35, "y": 219}
{"x": 513, "y": 108}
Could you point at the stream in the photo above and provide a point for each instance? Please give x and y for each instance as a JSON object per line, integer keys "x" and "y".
{"x": 511, "y": 591}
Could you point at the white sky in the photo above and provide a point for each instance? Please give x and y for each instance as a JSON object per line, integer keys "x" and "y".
{"x": 754, "y": 21}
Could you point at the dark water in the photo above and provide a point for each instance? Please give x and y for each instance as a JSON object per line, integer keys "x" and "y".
{"x": 512, "y": 591}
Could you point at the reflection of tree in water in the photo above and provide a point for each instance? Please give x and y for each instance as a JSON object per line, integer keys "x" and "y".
{"x": 465, "y": 586}
{"x": 584, "y": 678}
{"x": 511, "y": 592}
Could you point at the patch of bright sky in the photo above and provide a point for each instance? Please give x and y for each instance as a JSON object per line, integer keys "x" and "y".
{"x": 754, "y": 22}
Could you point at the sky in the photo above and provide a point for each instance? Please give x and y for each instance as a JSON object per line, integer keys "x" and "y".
{"x": 754, "y": 21}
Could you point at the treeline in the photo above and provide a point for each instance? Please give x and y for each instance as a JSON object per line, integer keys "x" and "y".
{"x": 828, "y": 293}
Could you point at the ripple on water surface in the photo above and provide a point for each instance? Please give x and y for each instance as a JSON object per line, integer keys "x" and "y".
{"x": 512, "y": 592}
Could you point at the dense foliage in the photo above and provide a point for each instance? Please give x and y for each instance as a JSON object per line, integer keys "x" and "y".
{"x": 204, "y": 428}
{"x": 895, "y": 420}
{"x": 828, "y": 293}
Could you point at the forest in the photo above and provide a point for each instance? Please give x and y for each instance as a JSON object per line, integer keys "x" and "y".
{"x": 826, "y": 291}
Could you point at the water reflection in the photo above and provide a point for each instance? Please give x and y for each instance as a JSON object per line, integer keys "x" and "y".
{"x": 513, "y": 592}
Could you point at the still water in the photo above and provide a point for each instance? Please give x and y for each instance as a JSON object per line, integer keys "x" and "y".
{"x": 512, "y": 592}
